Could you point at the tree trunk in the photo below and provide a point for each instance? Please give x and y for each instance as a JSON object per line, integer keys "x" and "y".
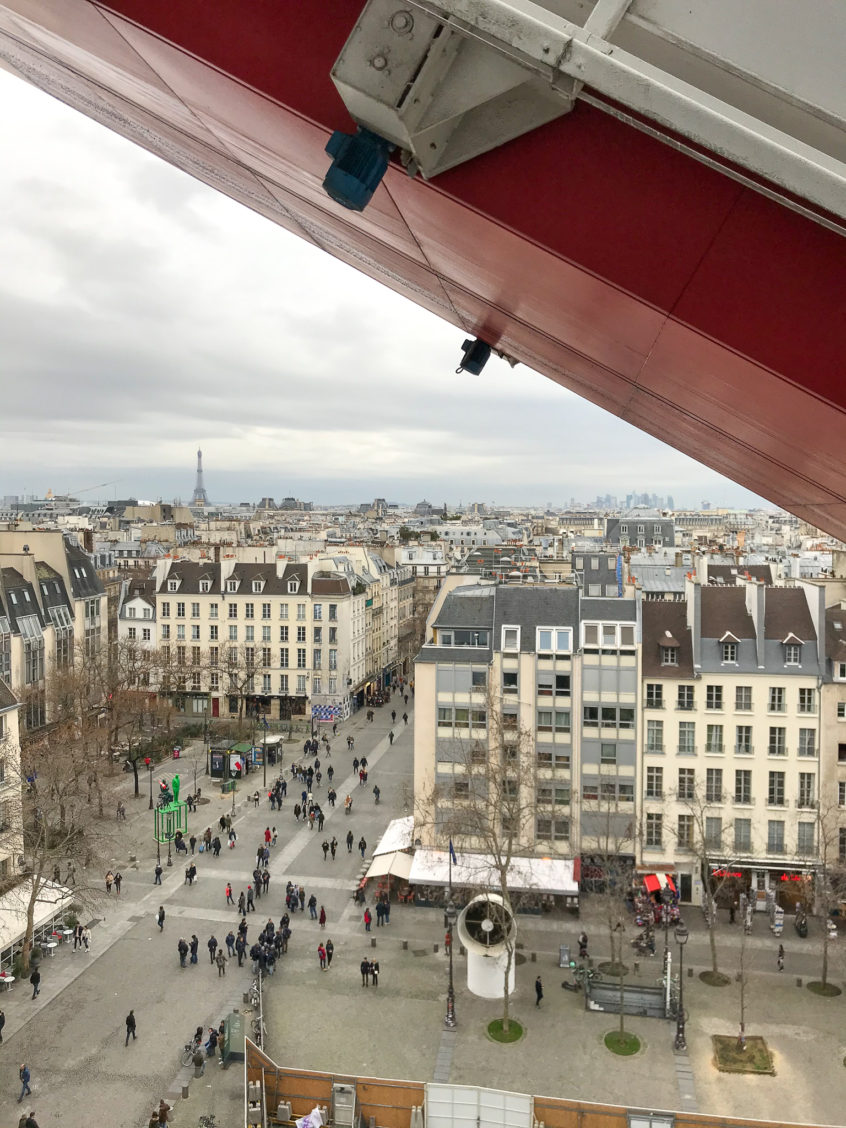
{"x": 825, "y": 952}
{"x": 712, "y": 938}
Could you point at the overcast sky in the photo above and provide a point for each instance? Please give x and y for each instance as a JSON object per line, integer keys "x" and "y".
{"x": 142, "y": 314}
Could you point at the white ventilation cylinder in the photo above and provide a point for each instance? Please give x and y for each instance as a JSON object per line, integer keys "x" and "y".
{"x": 487, "y": 929}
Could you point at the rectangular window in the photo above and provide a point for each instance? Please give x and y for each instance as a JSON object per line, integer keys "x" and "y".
{"x": 213, "y": 610}
{"x": 195, "y": 632}
{"x": 233, "y": 634}
{"x": 131, "y": 632}
{"x": 775, "y": 789}
{"x": 146, "y": 634}
{"x": 266, "y": 659}
{"x": 654, "y": 830}
{"x": 778, "y": 741}
{"x": 743, "y": 698}
{"x": 283, "y": 610}
{"x": 714, "y": 738}
{"x": 333, "y": 659}
{"x": 729, "y": 653}
{"x": 743, "y": 835}
{"x": 775, "y": 836}
{"x": 714, "y": 785}
{"x": 608, "y": 753}
{"x": 687, "y": 738}
{"x": 511, "y": 638}
{"x": 249, "y": 610}
{"x": 301, "y": 634}
{"x": 807, "y": 789}
{"x": 233, "y": 610}
{"x": 283, "y": 634}
{"x": 807, "y": 701}
{"x": 301, "y": 658}
{"x": 743, "y": 740}
{"x": 841, "y": 710}
{"x": 317, "y": 636}
{"x": 195, "y": 610}
{"x": 684, "y": 699}
{"x": 301, "y": 685}
{"x": 654, "y": 783}
{"x": 713, "y": 697}
{"x": 213, "y": 632}
{"x": 654, "y": 736}
{"x": 684, "y": 831}
{"x": 265, "y": 634}
{"x": 165, "y": 630}
{"x": 283, "y": 657}
{"x": 445, "y": 717}
{"x": 180, "y": 631}
{"x": 301, "y": 611}
{"x": 687, "y": 783}
{"x": 317, "y": 659}
{"x": 180, "y": 610}
{"x": 775, "y": 701}
{"x": 805, "y": 845}
{"x": 807, "y": 742}
{"x": 743, "y": 786}
{"x": 509, "y": 681}
{"x": 792, "y": 654}
{"x": 165, "y": 610}
{"x": 214, "y": 653}
{"x": 317, "y": 610}
{"x": 333, "y": 612}
{"x": 841, "y": 793}
{"x": 654, "y": 695}
{"x": 713, "y": 832}
{"x": 669, "y": 656}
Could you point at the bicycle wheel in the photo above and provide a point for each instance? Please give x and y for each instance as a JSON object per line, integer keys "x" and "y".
{"x": 187, "y": 1057}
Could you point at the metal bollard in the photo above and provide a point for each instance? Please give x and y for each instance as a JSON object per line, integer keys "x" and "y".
{"x": 405, "y": 945}
{"x": 372, "y": 941}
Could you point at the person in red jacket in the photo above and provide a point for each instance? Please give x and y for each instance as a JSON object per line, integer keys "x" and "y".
{"x": 367, "y": 919}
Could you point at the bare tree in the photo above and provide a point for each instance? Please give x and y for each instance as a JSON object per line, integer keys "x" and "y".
{"x": 705, "y": 835}
{"x": 830, "y": 876}
{"x": 488, "y": 812}
{"x": 58, "y": 824}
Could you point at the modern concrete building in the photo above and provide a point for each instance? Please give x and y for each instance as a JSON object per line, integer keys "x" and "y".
{"x": 11, "y": 837}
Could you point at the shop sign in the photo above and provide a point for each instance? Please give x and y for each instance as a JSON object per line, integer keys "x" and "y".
{"x": 726, "y": 873}
{"x": 791, "y": 877}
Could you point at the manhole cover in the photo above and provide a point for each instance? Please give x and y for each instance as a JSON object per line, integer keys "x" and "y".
{"x": 418, "y": 951}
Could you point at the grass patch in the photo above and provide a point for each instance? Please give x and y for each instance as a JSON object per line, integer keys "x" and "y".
{"x": 714, "y": 978}
{"x": 623, "y": 1044}
{"x": 756, "y": 1058}
{"x": 611, "y": 967}
{"x": 828, "y": 990}
{"x": 513, "y": 1034}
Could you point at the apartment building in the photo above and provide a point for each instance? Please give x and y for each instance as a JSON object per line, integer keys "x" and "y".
{"x": 234, "y": 638}
{"x": 541, "y": 684}
{"x": 832, "y": 846}
{"x": 730, "y": 736}
{"x": 11, "y": 838}
{"x": 52, "y": 607}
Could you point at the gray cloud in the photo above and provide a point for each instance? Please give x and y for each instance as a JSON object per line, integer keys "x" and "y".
{"x": 141, "y": 313}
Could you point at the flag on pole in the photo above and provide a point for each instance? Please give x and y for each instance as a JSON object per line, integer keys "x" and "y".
{"x": 264, "y": 720}
{"x": 452, "y": 853}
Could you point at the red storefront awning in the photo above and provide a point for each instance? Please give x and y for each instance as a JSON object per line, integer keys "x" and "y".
{"x": 655, "y": 882}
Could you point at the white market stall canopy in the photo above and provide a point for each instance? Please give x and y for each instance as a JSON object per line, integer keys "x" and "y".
{"x": 52, "y": 900}
{"x": 536, "y": 875}
{"x": 396, "y": 864}
{"x": 398, "y": 836}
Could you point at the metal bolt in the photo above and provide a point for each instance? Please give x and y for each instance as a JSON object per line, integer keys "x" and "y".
{"x": 378, "y": 62}
{"x": 402, "y": 22}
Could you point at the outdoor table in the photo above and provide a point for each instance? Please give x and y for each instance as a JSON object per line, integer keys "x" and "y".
{"x": 67, "y": 933}
{"x": 51, "y": 945}
{"x": 6, "y": 982}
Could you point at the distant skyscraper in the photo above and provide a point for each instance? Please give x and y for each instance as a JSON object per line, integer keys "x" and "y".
{"x": 199, "y": 497}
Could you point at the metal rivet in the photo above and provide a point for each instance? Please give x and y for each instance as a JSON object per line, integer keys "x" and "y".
{"x": 378, "y": 62}
{"x": 402, "y": 22}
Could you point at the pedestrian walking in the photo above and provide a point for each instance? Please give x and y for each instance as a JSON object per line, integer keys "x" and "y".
{"x": 195, "y": 948}
{"x": 365, "y": 972}
{"x": 251, "y": 905}
{"x": 330, "y": 773}
{"x": 349, "y": 841}
{"x": 325, "y": 848}
{"x": 118, "y": 880}
{"x": 77, "y": 937}
{"x": 242, "y": 903}
{"x": 367, "y": 919}
{"x": 109, "y": 879}
{"x": 362, "y": 845}
{"x": 160, "y": 918}
{"x": 321, "y": 955}
{"x": 24, "y": 1075}
{"x": 230, "y": 943}
{"x": 229, "y": 899}
{"x": 86, "y": 938}
{"x": 157, "y": 880}
{"x": 538, "y": 991}
{"x": 380, "y": 912}
{"x": 348, "y": 805}
{"x": 780, "y": 960}
{"x": 220, "y": 960}
{"x": 391, "y": 737}
{"x": 393, "y": 716}
{"x": 192, "y": 842}
{"x": 374, "y": 972}
{"x": 333, "y": 846}
{"x": 130, "y": 1027}
{"x": 182, "y": 949}
{"x": 211, "y": 944}
{"x": 2, "y": 1024}
{"x": 405, "y": 717}
{"x": 322, "y": 917}
{"x": 35, "y": 980}
{"x": 312, "y": 907}
{"x": 330, "y": 951}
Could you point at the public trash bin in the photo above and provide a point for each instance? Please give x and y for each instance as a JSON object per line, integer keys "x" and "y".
{"x": 564, "y": 955}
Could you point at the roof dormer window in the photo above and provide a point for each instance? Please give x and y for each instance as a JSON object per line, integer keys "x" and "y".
{"x": 793, "y": 654}
{"x": 231, "y": 585}
{"x": 173, "y": 585}
{"x": 205, "y": 585}
{"x": 258, "y": 585}
{"x": 293, "y": 586}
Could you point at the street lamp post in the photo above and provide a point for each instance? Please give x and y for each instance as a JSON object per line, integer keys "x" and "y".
{"x": 666, "y": 898}
{"x": 169, "y": 857}
{"x": 149, "y": 764}
{"x": 681, "y": 935}
{"x": 451, "y": 915}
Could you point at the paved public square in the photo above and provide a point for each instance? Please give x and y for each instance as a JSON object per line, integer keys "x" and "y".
{"x": 72, "y": 1036}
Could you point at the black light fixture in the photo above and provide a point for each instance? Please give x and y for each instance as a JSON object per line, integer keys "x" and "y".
{"x": 682, "y": 935}
{"x": 476, "y": 354}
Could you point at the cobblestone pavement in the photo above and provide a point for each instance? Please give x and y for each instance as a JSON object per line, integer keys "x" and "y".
{"x": 72, "y": 1036}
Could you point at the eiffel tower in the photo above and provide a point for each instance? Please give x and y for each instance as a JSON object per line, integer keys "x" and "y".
{"x": 199, "y": 497}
